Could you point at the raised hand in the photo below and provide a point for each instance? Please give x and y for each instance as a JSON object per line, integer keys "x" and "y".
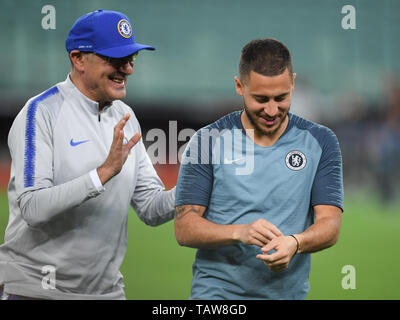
{"x": 118, "y": 152}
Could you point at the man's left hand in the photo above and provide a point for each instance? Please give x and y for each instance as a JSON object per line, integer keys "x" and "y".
{"x": 285, "y": 247}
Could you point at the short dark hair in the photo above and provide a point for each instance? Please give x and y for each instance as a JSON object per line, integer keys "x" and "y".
{"x": 268, "y": 57}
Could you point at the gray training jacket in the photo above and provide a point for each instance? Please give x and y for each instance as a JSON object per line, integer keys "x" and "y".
{"x": 61, "y": 218}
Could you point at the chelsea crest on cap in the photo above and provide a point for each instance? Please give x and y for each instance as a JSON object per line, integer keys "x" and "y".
{"x": 105, "y": 32}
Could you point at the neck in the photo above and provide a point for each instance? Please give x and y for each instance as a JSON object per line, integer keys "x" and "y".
{"x": 77, "y": 81}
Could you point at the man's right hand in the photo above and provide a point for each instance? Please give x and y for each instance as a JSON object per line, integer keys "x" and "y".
{"x": 259, "y": 232}
{"x": 118, "y": 152}
{"x": 192, "y": 230}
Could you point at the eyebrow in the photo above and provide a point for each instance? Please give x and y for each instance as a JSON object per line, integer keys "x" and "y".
{"x": 278, "y": 96}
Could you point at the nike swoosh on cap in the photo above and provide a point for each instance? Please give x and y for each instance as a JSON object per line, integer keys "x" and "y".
{"x": 75, "y": 143}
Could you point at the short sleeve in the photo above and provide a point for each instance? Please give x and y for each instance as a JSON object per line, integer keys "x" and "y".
{"x": 328, "y": 182}
{"x": 195, "y": 177}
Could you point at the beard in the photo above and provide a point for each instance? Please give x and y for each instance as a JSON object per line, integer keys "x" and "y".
{"x": 254, "y": 117}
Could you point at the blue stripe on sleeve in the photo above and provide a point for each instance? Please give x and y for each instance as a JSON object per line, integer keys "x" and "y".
{"x": 30, "y": 137}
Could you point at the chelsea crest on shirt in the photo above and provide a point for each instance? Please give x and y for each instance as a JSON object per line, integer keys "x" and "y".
{"x": 296, "y": 160}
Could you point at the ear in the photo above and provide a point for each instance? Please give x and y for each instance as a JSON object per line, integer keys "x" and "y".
{"x": 238, "y": 86}
{"x": 77, "y": 59}
{"x": 293, "y": 77}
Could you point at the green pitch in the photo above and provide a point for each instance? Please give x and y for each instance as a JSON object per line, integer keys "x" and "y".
{"x": 156, "y": 267}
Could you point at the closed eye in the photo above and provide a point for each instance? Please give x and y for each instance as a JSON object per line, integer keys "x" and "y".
{"x": 265, "y": 99}
{"x": 261, "y": 99}
{"x": 281, "y": 97}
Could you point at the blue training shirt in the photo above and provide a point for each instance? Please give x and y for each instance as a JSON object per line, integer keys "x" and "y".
{"x": 239, "y": 182}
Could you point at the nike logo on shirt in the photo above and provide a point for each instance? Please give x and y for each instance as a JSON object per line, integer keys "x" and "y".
{"x": 75, "y": 143}
{"x": 227, "y": 161}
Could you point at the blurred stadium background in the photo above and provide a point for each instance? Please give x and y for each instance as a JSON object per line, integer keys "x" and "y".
{"x": 348, "y": 80}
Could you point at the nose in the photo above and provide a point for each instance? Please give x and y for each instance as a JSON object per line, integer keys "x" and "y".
{"x": 126, "y": 68}
{"x": 271, "y": 108}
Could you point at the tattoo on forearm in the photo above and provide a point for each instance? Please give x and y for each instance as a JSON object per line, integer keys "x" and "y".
{"x": 182, "y": 211}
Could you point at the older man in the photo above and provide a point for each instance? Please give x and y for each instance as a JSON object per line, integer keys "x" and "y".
{"x": 78, "y": 163}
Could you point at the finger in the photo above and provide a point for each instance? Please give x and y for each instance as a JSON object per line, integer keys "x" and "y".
{"x": 278, "y": 262}
{"x": 118, "y": 129}
{"x": 270, "y": 264}
{"x": 133, "y": 141}
{"x": 253, "y": 237}
{"x": 272, "y": 245}
{"x": 121, "y": 124}
{"x": 126, "y": 117}
{"x": 271, "y": 228}
{"x": 256, "y": 242}
{"x": 261, "y": 256}
{"x": 117, "y": 139}
{"x": 275, "y": 230}
{"x": 268, "y": 258}
{"x": 276, "y": 266}
{"x": 268, "y": 235}
{"x": 262, "y": 233}
{"x": 120, "y": 138}
{"x": 259, "y": 237}
{"x": 273, "y": 257}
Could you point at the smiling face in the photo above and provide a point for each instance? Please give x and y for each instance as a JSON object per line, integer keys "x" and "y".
{"x": 100, "y": 78}
{"x": 267, "y": 102}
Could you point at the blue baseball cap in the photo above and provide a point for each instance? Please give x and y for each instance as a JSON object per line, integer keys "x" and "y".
{"x": 108, "y": 33}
